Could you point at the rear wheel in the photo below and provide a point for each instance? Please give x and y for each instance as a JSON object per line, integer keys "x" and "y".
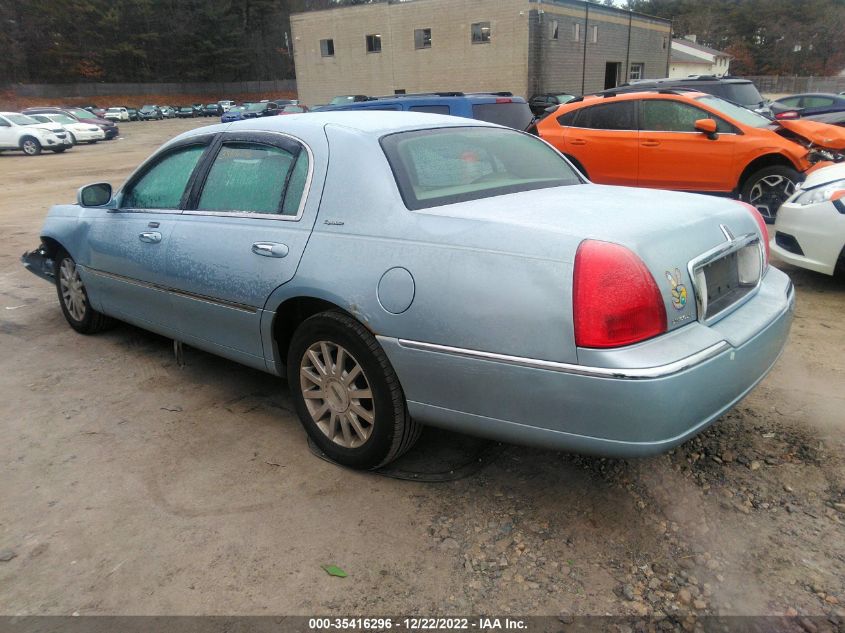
{"x": 73, "y": 298}
{"x": 347, "y": 394}
{"x": 30, "y": 146}
{"x": 769, "y": 188}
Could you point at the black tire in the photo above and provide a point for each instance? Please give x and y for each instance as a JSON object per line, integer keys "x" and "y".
{"x": 392, "y": 431}
{"x": 89, "y": 321}
{"x": 769, "y": 188}
{"x": 30, "y": 146}
{"x": 58, "y": 150}
{"x": 73, "y": 140}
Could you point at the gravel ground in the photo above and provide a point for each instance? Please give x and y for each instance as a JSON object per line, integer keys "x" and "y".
{"x": 133, "y": 486}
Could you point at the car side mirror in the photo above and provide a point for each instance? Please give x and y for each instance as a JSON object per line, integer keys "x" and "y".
{"x": 96, "y": 195}
{"x": 707, "y": 127}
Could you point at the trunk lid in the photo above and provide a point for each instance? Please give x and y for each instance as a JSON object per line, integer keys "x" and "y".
{"x": 666, "y": 229}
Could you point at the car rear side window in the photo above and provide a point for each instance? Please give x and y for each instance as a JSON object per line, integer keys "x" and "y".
{"x": 434, "y": 167}
{"x": 510, "y": 114}
{"x": 251, "y": 178}
{"x": 609, "y": 116}
{"x": 432, "y": 109}
{"x": 568, "y": 119}
{"x": 163, "y": 185}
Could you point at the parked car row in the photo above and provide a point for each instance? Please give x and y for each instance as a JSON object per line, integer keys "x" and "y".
{"x": 51, "y": 128}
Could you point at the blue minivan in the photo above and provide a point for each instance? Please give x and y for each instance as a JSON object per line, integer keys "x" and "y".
{"x": 495, "y": 107}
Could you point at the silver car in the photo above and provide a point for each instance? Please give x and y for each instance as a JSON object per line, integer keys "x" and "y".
{"x": 405, "y": 269}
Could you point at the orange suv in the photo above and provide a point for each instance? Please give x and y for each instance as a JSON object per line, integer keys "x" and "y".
{"x": 690, "y": 141}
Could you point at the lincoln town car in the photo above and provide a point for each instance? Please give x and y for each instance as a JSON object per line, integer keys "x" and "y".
{"x": 409, "y": 269}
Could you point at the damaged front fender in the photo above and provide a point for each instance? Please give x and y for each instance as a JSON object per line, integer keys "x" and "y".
{"x": 39, "y": 263}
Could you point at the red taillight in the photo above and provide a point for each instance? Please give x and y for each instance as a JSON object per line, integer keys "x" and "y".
{"x": 788, "y": 115}
{"x": 761, "y": 223}
{"x": 504, "y": 100}
{"x": 615, "y": 300}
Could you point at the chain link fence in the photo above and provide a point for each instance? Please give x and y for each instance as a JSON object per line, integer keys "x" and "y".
{"x": 782, "y": 84}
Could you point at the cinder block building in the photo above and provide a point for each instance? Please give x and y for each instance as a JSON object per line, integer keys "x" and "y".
{"x": 524, "y": 46}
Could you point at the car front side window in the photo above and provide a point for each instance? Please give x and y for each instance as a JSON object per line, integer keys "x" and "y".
{"x": 163, "y": 185}
{"x": 251, "y": 177}
{"x": 659, "y": 115}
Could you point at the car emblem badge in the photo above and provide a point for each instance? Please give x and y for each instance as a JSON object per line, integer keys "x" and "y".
{"x": 679, "y": 290}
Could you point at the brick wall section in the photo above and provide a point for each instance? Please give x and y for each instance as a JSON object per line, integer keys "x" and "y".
{"x": 452, "y": 63}
{"x": 521, "y": 57}
{"x": 561, "y": 60}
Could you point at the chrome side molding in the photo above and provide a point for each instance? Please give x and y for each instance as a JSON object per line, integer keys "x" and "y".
{"x": 634, "y": 373}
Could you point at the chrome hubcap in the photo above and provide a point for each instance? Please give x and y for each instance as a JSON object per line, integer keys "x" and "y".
{"x": 337, "y": 394}
{"x": 769, "y": 193}
{"x": 29, "y": 147}
{"x": 72, "y": 290}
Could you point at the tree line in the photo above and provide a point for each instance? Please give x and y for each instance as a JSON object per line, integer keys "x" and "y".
{"x": 765, "y": 37}
{"x": 68, "y": 41}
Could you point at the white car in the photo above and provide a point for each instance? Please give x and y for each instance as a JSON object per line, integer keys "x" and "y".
{"x": 226, "y": 104}
{"x": 810, "y": 227}
{"x": 116, "y": 114}
{"x": 78, "y": 132}
{"x": 20, "y": 132}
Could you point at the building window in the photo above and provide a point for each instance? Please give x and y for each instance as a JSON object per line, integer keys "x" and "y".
{"x": 481, "y": 33}
{"x": 374, "y": 43}
{"x": 327, "y": 48}
{"x": 422, "y": 38}
{"x": 576, "y": 32}
{"x": 553, "y": 29}
{"x": 636, "y": 72}
{"x": 594, "y": 34}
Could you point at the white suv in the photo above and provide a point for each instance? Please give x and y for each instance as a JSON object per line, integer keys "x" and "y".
{"x": 226, "y": 104}
{"x": 20, "y": 132}
{"x": 116, "y": 114}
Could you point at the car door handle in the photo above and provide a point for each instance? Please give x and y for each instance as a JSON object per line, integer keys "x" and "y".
{"x": 151, "y": 237}
{"x": 650, "y": 143}
{"x": 577, "y": 141}
{"x": 270, "y": 249}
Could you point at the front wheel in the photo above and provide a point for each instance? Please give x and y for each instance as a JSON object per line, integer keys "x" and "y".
{"x": 347, "y": 394}
{"x": 73, "y": 298}
{"x": 73, "y": 140}
{"x": 58, "y": 150}
{"x": 31, "y": 146}
{"x": 769, "y": 188}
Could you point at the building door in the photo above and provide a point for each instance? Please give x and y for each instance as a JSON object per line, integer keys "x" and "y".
{"x": 611, "y": 74}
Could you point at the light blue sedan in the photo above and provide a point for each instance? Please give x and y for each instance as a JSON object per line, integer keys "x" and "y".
{"x": 404, "y": 269}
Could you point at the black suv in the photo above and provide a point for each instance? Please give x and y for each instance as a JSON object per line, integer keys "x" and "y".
{"x": 739, "y": 91}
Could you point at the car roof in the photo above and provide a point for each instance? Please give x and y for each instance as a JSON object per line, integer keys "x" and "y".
{"x": 429, "y": 98}
{"x": 311, "y": 125}
{"x": 812, "y": 94}
{"x": 641, "y": 94}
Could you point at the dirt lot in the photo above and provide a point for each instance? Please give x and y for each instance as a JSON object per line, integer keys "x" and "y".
{"x": 133, "y": 486}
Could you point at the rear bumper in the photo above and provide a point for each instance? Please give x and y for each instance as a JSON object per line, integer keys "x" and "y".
{"x": 39, "y": 263}
{"x": 607, "y": 410}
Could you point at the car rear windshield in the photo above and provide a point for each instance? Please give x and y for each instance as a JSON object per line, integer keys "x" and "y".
{"x": 515, "y": 115}
{"x": 742, "y": 93}
{"x": 434, "y": 167}
{"x": 82, "y": 114}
